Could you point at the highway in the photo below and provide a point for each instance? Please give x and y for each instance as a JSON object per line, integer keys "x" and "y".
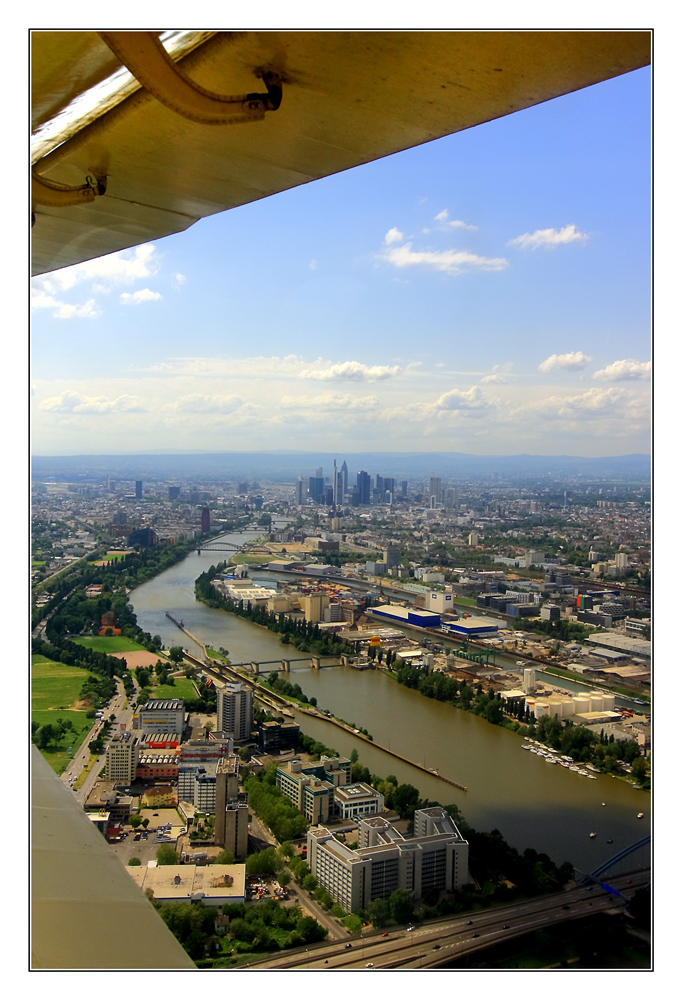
{"x": 439, "y": 942}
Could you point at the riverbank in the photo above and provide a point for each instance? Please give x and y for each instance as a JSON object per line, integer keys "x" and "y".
{"x": 508, "y": 789}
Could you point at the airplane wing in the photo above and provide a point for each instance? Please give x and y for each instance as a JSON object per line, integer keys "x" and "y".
{"x": 137, "y": 135}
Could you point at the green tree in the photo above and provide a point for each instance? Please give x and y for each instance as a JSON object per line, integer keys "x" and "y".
{"x": 134, "y": 863}
{"x": 379, "y": 913}
{"x": 165, "y": 855}
{"x": 401, "y": 906}
{"x": 224, "y": 858}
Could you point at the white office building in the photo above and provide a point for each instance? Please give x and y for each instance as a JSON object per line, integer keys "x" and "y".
{"x": 436, "y": 857}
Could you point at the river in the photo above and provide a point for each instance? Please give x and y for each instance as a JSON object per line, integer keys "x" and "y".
{"x": 532, "y": 803}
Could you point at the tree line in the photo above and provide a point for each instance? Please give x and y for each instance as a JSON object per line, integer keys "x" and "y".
{"x": 303, "y": 635}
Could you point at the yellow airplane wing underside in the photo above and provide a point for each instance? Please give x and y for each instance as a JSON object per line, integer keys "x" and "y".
{"x": 137, "y": 168}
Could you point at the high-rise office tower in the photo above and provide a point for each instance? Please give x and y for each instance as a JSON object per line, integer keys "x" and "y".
{"x": 344, "y": 479}
{"x": 363, "y": 487}
{"x": 300, "y": 492}
{"x": 435, "y": 488}
{"x": 138, "y": 489}
{"x": 205, "y": 521}
{"x": 316, "y": 488}
{"x": 235, "y": 711}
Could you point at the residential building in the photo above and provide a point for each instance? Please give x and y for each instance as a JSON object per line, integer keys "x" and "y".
{"x": 235, "y": 711}
{"x": 121, "y": 759}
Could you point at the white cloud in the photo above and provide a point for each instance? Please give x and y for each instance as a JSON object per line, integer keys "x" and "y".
{"x": 353, "y": 371}
{"x": 71, "y": 402}
{"x": 449, "y": 261}
{"x": 548, "y": 239}
{"x": 140, "y": 296}
{"x": 325, "y": 402}
{"x": 494, "y": 379}
{"x": 565, "y": 362}
{"x": 592, "y": 404}
{"x": 121, "y": 268}
{"x": 625, "y": 371}
{"x": 202, "y": 403}
{"x": 179, "y": 280}
{"x": 64, "y": 310}
{"x": 393, "y": 236}
{"x": 313, "y": 265}
{"x": 458, "y": 400}
{"x": 447, "y": 223}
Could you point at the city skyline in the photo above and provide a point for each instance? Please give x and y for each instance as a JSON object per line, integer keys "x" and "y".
{"x": 486, "y": 293}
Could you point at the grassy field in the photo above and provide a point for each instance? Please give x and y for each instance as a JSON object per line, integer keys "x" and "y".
{"x": 112, "y": 557}
{"x": 54, "y": 690}
{"x": 110, "y": 644}
{"x": 183, "y": 688}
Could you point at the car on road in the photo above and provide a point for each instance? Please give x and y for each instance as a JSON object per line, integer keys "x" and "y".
{"x": 505, "y": 927}
{"x": 349, "y": 945}
{"x": 369, "y": 965}
{"x": 385, "y": 934}
{"x": 565, "y": 907}
{"x": 436, "y": 947}
{"x": 474, "y": 935}
{"x": 469, "y": 923}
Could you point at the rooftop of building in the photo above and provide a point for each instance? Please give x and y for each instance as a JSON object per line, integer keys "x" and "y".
{"x": 183, "y": 882}
{"x": 162, "y": 704}
{"x": 359, "y": 790}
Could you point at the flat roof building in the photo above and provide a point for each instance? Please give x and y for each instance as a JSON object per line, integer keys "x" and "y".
{"x": 436, "y": 857}
{"x": 211, "y": 885}
{"x": 160, "y": 715}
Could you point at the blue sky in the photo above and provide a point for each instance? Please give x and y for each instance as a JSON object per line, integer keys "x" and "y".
{"x": 488, "y": 293}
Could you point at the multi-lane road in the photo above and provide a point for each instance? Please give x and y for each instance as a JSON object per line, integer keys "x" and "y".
{"x": 437, "y": 943}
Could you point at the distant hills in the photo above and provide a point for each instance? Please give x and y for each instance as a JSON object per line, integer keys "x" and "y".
{"x": 281, "y": 466}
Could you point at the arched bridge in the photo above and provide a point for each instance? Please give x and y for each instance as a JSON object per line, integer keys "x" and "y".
{"x": 613, "y": 862}
{"x": 620, "y": 856}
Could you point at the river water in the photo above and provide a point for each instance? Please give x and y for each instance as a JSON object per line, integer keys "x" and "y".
{"x": 532, "y": 803}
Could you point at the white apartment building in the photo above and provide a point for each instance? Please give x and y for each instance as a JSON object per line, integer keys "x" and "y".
{"x": 235, "y": 711}
{"x": 122, "y": 756}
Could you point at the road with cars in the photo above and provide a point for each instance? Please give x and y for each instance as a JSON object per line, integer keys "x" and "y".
{"x": 439, "y": 942}
{"x": 82, "y": 756}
